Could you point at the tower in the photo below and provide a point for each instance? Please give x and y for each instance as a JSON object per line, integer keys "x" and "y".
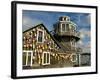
{"x": 65, "y": 32}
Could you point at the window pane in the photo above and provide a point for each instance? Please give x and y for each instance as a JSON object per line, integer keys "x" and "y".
{"x": 64, "y": 19}
{"x": 67, "y": 27}
{"x": 24, "y": 58}
{"x": 63, "y": 27}
{"x": 39, "y": 39}
{"x": 44, "y": 57}
{"x": 74, "y": 58}
{"x": 33, "y": 59}
{"x": 47, "y": 58}
{"x": 40, "y": 36}
{"x": 29, "y": 59}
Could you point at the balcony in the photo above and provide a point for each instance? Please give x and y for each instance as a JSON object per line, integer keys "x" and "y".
{"x": 70, "y": 33}
{"x": 76, "y": 49}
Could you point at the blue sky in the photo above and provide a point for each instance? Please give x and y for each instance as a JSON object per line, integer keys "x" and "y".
{"x": 32, "y": 18}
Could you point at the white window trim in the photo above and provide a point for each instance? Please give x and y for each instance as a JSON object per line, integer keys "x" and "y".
{"x": 46, "y": 58}
{"x": 27, "y": 51}
{"x": 72, "y": 57}
{"x": 65, "y": 27}
{"x": 61, "y": 28}
{"x": 38, "y": 35}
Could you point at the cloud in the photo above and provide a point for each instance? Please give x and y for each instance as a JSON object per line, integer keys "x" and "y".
{"x": 84, "y": 42}
{"x": 84, "y": 33}
{"x": 29, "y": 22}
{"x": 86, "y": 47}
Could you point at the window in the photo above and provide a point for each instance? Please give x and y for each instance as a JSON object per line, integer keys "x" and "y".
{"x": 67, "y": 27}
{"x": 73, "y": 42}
{"x": 73, "y": 57}
{"x": 64, "y": 18}
{"x": 46, "y": 58}
{"x": 27, "y": 58}
{"x": 52, "y": 44}
{"x": 40, "y": 36}
{"x": 64, "y": 27}
{"x": 24, "y": 58}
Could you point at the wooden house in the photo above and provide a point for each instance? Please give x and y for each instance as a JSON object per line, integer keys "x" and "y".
{"x": 39, "y": 47}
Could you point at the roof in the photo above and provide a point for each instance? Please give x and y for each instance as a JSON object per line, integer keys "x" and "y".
{"x": 62, "y": 49}
{"x": 45, "y": 29}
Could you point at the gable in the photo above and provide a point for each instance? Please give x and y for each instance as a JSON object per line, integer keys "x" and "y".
{"x": 32, "y": 37}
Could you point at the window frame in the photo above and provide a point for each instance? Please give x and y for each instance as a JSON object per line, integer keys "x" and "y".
{"x": 47, "y": 63}
{"x": 38, "y": 35}
{"x": 75, "y": 57}
{"x": 27, "y": 51}
{"x": 64, "y": 26}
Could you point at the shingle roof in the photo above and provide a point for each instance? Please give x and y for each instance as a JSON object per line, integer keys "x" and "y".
{"x": 45, "y": 29}
{"x": 62, "y": 49}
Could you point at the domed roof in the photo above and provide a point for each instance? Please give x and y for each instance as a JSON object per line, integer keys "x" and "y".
{"x": 64, "y": 18}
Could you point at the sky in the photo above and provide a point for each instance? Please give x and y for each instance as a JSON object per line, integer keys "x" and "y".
{"x": 31, "y": 18}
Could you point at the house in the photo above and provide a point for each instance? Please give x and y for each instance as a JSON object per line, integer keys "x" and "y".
{"x": 39, "y": 47}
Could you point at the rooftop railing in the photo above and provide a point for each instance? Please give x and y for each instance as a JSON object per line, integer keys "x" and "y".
{"x": 70, "y": 33}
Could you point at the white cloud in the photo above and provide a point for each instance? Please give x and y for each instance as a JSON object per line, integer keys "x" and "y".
{"x": 29, "y": 22}
{"x": 80, "y": 42}
{"x": 86, "y": 46}
{"x": 85, "y": 33}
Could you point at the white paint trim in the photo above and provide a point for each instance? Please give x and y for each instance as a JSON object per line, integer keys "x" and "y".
{"x": 79, "y": 59}
{"x": 38, "y": 35}
{"x": 61, "y": 27}
{"x": 72, "y": 57}
{"x": 27, "y": 51}
{"x": 65, "y": 27}
{"x": 46, "y": 58}
{"x": 31, "y": 59}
